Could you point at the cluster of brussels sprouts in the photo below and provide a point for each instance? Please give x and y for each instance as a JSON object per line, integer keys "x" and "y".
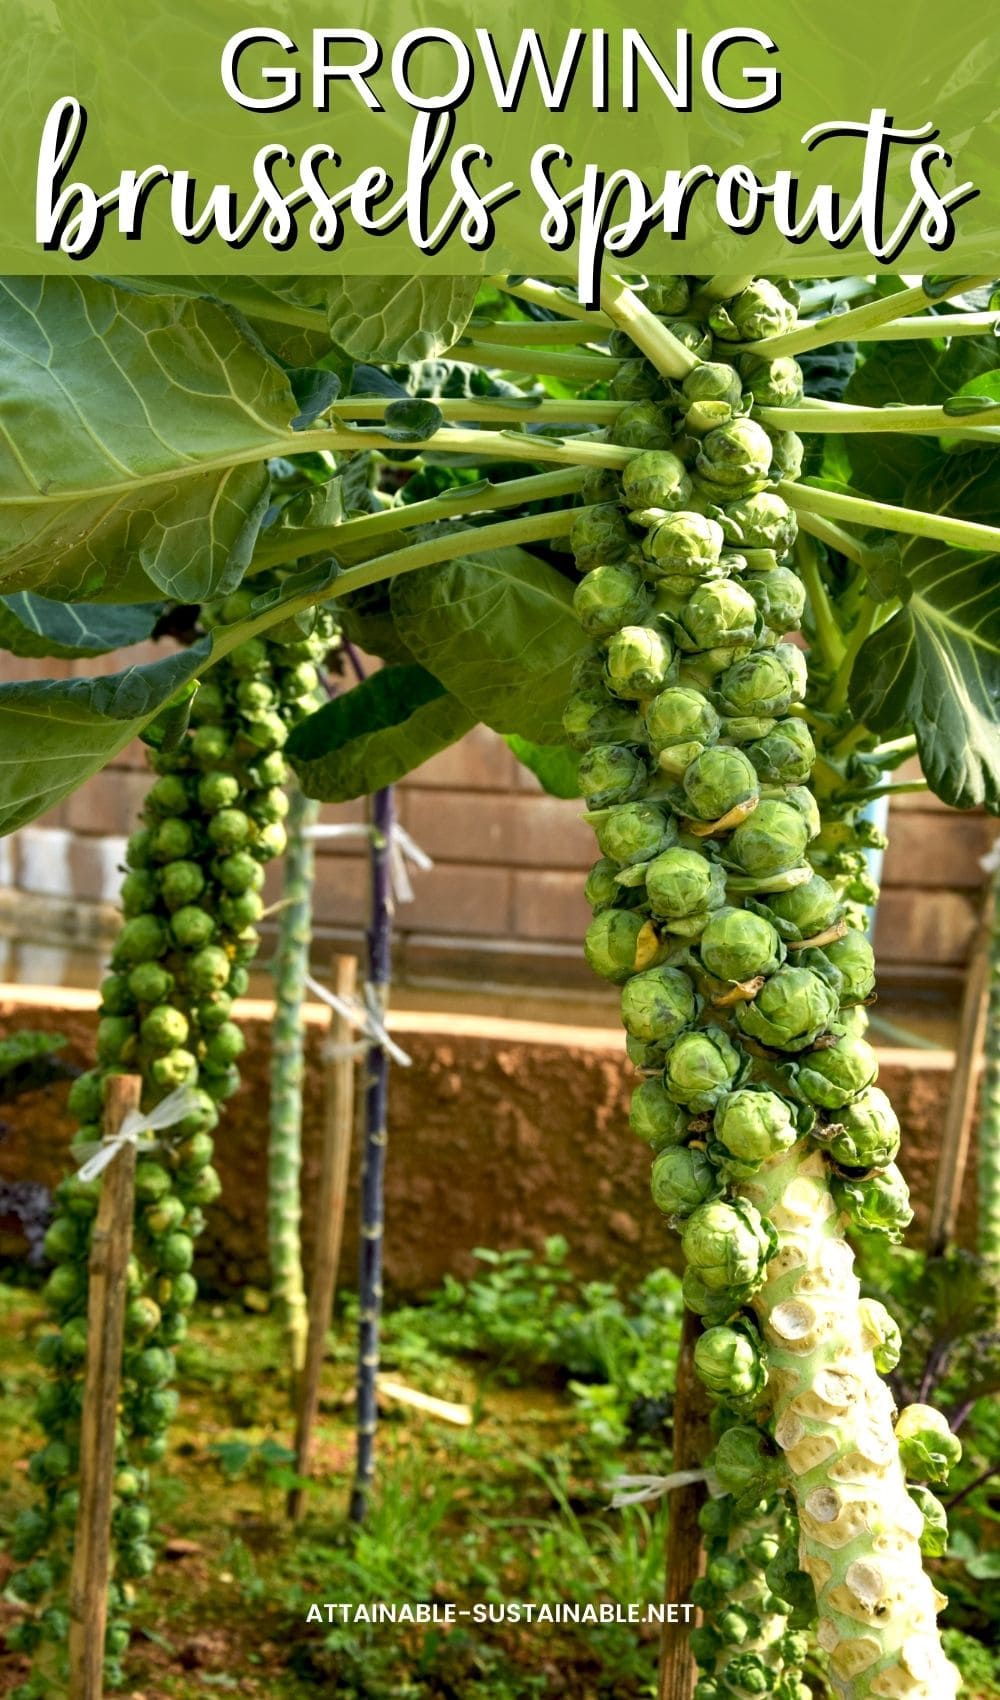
{"x": 747, "y": 1644}
{"x": 742, "y": 969}
{"x": 191, "y": 902}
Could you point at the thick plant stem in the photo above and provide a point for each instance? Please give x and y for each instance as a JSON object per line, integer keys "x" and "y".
{"x": 284, "y": 1160}
{"x": 989, "y": 1118}
{"x": 379, "y": 954}
{"x": 833, "y": 1419}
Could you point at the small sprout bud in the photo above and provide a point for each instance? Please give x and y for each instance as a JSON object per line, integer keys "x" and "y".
{"x": 656, "y": 479}
{"x": 638, "y": 662}
{"x": 790, "y": 1011}
{"x": 737, "y": 945}
{"x": 609, "y": 597}
{"x": 730, "y": 1362}
{"x": 600, "y": 535}
{"x": 655, "y": 1117}
{"x": 682, "y": 1178}
{"x": 727, "y": 1244}
{"x": 865, "y": 1134}
{"x": 882, "y": 1334}
{"x": 780, "y": 596}
{"x": 928, "y": 1449}
{"x": 752, "y": 1125}
{"x": 878, "y": 1204}
{"x": 682, "y": 884}
{"x": 685, "y": 545}
{"x": 759, "y": 311}
{"x": 635, "y": 832}
{"x": 718, "y": 781}
{"x": 658, "y": 1004}
{"x": 771, "y": 840}
{"x": 611, "y": 773}
{"x": 718, "y": 615}
{"x": 701, "y": 1067}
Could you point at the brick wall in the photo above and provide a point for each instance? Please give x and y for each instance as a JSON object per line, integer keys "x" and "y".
{"x": 503, "y": 902}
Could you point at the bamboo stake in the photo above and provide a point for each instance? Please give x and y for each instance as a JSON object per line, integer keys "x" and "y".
{"x": 111, "y": 1247}
{"x": 957, "y": 1134}
{"x": 685, "y": 1549}
{"x": 338, "y": 1128}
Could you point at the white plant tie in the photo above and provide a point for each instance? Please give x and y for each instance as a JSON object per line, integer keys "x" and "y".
{"x": 183, "y": 1101}
{"x": 641, "y": 1490}
{"x": 363, "y": 1014}
{"x": 403, "y": 848}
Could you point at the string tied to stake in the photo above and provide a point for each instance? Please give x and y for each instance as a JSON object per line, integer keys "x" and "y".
{"x": 97, "y": 1154}
{"x": 365, "y": 1015}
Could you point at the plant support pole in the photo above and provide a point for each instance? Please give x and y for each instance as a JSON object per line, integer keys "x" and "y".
{"x": 379, "y": 952}
{"x": 111, "y": 1247}
{"x": 969, "y": 1045}
{"x": 989, "y": 1120}
{"x": 685, "y": 1548}
{"x": 338, "y": 1127}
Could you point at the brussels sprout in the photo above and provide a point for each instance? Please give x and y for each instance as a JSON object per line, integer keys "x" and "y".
{"x": 153, "y": 1367}
{"x": 787, "y": 450}
{"x": 226, "y": 1044}
{"x": 658, "y": 1004}
{"x": 879, "y": 1203}
{"x": 611, "y": 773}
{"x": 175, "y": 1254}
{"x": 207, "y": 970}
{"x": 181, "y": 883}
{"x": 192, "y": 1154}
{"x": 242, "y": 911}
{"x": 239, "y": 873}
{"x": 934, "y": 1535}
{"x": 239, "y": 981}
{"x": 806, "y": 909}
{"x": 137, "y": 849}
{"x": 210, "y": 747}
{"x": 928, "y": 1449}
{"x": 168, "y": 796}
{"x": 831, "y": 1078}
{"x": 800, "y": 798}
{"x": 785, "y": 754}
{"x": 610, "y": 597}
{"x": 642, "y": 425}
{"x": 635, "y": 832}
{"x": 140, "y": 940}
{"x": 175, "y": 1068}
{"x": 271, "y": 841}
{"x": 850, "y": 965}
{"x": 682, "y": 1178}
{"x": 136, "y": 1559}
{"x": 700, "y": 1067}
{"x": 737, "y": 945}
{"x": 163, "y": 1217}
{"x": 759, "y": 311}
{"x": 763, "y": 520}
{"x": 696, "y": 338}
{"x": 62, "y": 1239}
{"x": 65, "y": 1287}
{"x": 192, "y": 926}
{"x": 772, "y": 383}
{"x": 115, "y": 1036}
{"x": 666, "y": 294}
{"x": 601, "y": 888}
{"x": 751, "y": 1125}
{"x": 250, "y": 658}
{"x": 717, "y": 615}
{"x": 727, "y": 1244}
{"x": 85, "y": 1101}
{"x": 223, "y": 1084}
{"x": 271, "y": 769}
{"x": 865, "y": 1134}
{"x": 634, "y": 380}
{"x": 152, "y": 1182}
{"x": 164, "y": 1027}
{"x": 600, "y": 535}
{"x": 881, "y": 1332}
{"x": 206, "y": 1186}
{"x": 682, "y": 885}
{"x": 29, "y": 1534}
{"x": 780, "y": 596}
{"x": 254, "y": 696}
{"x": 790, "y": 1011}
{"x": 794, "y": 661}
{"x": 655, "y": 1117}
{"x": 718, "y": 781}
{"x": 172, "y": 840}
{"x": 680, "y": 724}
{"x": 736, "y": 456}
{"x": 743, "y": 1466}
{"x": 150, "y": 982}
{"x": 757, "y": 686}
{"x": 656, "y": 479}
{"x": 229, "y": 829}
{"x": 600, "y": 484}
{"x": 588, "y": 670}
{"x": 137, "y": 892}
{"x": 684, "y": 545}
{"x": 771, "y": 840}
{"x": 592, "y": 716}
{"x": 638, "y": 662}
{"x": 73, "y": 1339}
{"x": 208, "y": 706}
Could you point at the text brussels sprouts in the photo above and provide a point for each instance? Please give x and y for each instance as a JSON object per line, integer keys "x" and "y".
{"x": 635, "y": 379}
{"x": 772, "y": 383}
{"x": 780, "y": 596}
{"x": 763, "y": 520}
{"x": 759, "y": 311}
{"x": 656, "y": 479}
{"x": 718, "y": 781}
{"x": 680, "y": 724}
{"x": 611, "y": 773}
{"x": 806, "y": 909}
{"x": 735, "y": 456}
{"x": 730, "y": 1362}
{"x": 752, "y": 1125}
{"x": 757, "y": 685}
{"x": 600, "y": 535}
{"x": 833, "y": 1077}
{"x": 658, "y": 1004}
{"x": 727, "y": 1244}
{"x": 928, "y": 1449}
{"x": 717, "y": 615}
{"x": 700, "y": 1067}
{"x": 655, "y": 1117}
{"x": 642, "y": 425}
{"x": 592, "y": 717}
{"x": 865, "y": 1134}
{"x": 790, "y": 1011}
{"x": 682, "y": 1178}
{"x": 638, "y": 662}
{"x": 711, "y": 396}
{"x": 737, "y": 945}
{"x": 666, "y": 294}
{"x": 785, "y": 754}
{"x": 881, "y": 1333}
{"x": 617, "y": 943}
{"x": 934, "y": 1535}
{"x": 635, "y": 832}
{"x": 851, "y": 965}
{"x": 771, "y": 840}
{"x": 684, "y": 884}
{"x": 685, "y": 545}
{"x": 609, "y": 597}
{"x": 878, "y": 1204}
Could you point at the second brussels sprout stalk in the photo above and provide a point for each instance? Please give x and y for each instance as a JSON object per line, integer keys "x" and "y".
{"x": 741, "y": 971}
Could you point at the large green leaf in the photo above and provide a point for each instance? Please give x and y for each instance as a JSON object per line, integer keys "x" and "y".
{"x": 555, "y": 766}
{"x": 374, "y": 734}
{"x": 935, "y": 667}
{"x": 55, "y": 733}
{"x": 35, "y": 625}
{"x": 498, "y": 630}
{"x": 134, "y": 431}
